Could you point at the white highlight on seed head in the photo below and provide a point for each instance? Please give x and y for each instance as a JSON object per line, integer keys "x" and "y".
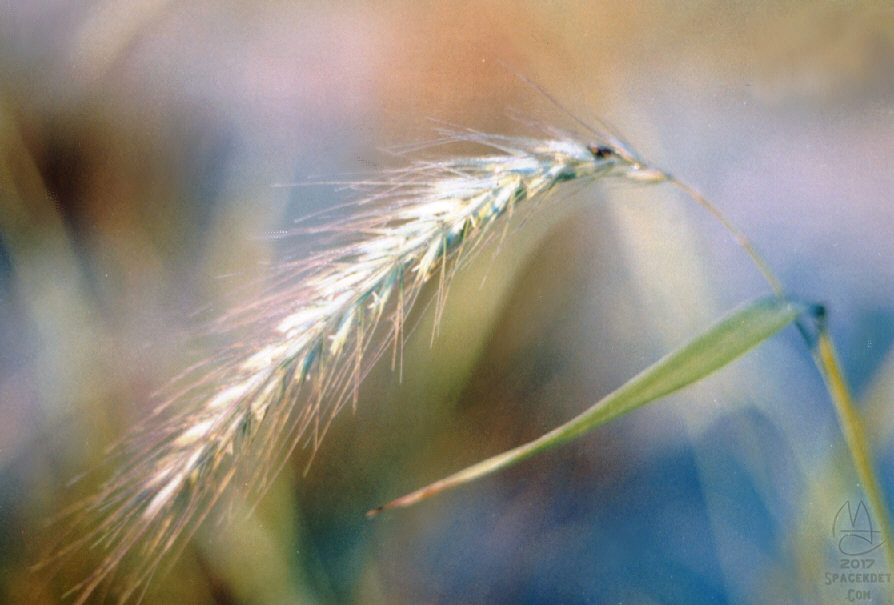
{"x": 162, "y": 497}
{"x": 194, "y": 433}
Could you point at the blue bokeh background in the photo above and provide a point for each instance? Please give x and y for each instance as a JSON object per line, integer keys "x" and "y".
{"x": 144, "y": 145}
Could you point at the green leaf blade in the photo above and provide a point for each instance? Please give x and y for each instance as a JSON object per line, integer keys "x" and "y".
{"x": 726, "y": 340}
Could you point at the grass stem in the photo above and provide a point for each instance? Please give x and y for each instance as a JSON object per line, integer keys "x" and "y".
{"x": 826, "y": 359}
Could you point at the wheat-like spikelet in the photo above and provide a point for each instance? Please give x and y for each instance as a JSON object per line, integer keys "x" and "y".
{"x": 312, "y": 338}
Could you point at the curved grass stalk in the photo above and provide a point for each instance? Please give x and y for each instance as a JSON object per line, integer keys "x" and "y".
{"x": 300, "y": 352}
{"x": 628, "y": 397}
{"x": 825, "y": 357}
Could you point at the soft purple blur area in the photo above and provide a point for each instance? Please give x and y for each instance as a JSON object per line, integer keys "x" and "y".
{"x": 145, "y": 149}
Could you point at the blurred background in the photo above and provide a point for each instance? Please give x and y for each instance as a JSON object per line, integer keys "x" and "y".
{"x": 141, "y": 148}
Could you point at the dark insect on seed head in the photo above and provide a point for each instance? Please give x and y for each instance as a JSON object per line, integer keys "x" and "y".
{"x": 601, "y": 151}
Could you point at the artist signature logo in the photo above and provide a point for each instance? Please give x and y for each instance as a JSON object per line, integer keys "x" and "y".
{"x": 853, "y": 529}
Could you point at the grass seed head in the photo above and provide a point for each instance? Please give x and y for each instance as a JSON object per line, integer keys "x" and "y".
{"x": 308, "y": 342}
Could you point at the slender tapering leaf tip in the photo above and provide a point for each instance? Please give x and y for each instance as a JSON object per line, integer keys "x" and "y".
{"x": 726, "y": 340}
